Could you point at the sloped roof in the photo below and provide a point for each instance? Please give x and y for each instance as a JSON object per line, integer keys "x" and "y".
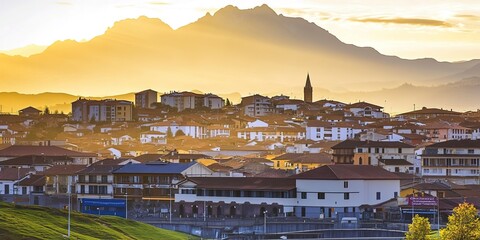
{"x": 64, "y": 170}
{"x": 13, "y": 173}
{"x": 395, "y": 162}
{"x": 463, "y": 143}
{"x": 381, "y": 144}
{"x": 35, "y": 160}
{"x": 99, "y": 169}
{"x": 347, "y": 172}
{"x": 244, "y": 183}
{"x": 33, "y": 180}
{"x": 154, "y": 168}
{"x": 22, "y": 150}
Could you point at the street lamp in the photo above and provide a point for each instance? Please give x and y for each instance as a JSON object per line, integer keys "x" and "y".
{"x": 265, "y": 222}
{"x": 126, "y": 204}
{"x": 98, "y": 211}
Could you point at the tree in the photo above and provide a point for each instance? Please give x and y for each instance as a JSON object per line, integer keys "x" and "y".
{"x": 46, "y": 111}
{"x": 419, "y": 229}
{"x": 463, "y": 224}
{"x": 169, "y": 133}
{"x": 228, "y": 103}
{"x": 179, "y": 133}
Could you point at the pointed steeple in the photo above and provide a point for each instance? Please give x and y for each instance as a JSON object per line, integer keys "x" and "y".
{"x": 308, "y": 90}
{"x": 308, "y": 84}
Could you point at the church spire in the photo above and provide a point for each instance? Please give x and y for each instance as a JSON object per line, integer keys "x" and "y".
{"x": 307, "y": 90}
{"x": 308, "y": 84}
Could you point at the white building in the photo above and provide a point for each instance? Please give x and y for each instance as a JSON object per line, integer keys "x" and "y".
{"x": 153, "y": 137}
{"x": 334, "y": 191}
{"x": 454, "y": 160}
{"x": 191, "y": 129}
{"x": 331, "y": 131}
{"x": 364, "y": 109}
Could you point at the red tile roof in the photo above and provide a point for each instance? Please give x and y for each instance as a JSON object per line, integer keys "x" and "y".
{"x": 14, "y": 173}
{"x": 64, "y": 170}
{"x": 348, "y": 172}
{"x": 244, "y": 183}
{"x": 22, "y": 150}
{"x": 33, "y": 180}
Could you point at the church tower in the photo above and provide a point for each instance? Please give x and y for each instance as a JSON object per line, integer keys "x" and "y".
{"x": 308, "y": 91}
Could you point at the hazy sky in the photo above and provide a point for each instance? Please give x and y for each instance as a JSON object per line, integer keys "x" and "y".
{"x": 443, "y": 29}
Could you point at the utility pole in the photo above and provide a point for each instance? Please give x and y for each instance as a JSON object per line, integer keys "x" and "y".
{"x": 265, "y": 222}
{"x": 126, "y": 203}
{"x": 69, "y": 205}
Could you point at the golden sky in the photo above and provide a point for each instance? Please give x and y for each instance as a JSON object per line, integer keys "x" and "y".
{"x": 443, "y": 29}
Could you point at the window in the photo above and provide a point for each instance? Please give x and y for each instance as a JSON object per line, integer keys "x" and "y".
{"x": 345, "y": 184}
{"x": 360, "y": 161}
{"x": 378, "y": 195}
{"x": 399, "y": 150}
{"x": 82, "y": 189}
{"x": 304, "y": 195}
{"x": 395, "y": 194}
{"x": 470, "y": 151}
{"x": 321, "y": 195}
{"x": 346, "y": 196}
{"x": 345, "y": 209}
{"x": 360, "y": 150}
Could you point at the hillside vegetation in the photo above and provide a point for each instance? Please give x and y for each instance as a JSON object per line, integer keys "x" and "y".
{"x": 32, "y": 222}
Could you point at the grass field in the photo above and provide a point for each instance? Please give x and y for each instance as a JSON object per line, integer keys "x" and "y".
{"x": 33, "y": 222}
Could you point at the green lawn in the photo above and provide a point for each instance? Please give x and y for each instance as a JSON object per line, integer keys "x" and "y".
{"x": 33, "y": 222}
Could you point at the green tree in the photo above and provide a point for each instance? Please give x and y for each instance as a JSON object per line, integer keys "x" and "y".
{"x": 228, "y": 103}
{"x": 463, "y": 224}
{"x": 46, "y": 111}
{"x": 419, "y": 229}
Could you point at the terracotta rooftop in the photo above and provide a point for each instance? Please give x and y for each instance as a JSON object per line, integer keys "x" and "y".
{"x": 33, "y": 180}
{"x": 64, "y": 170}
{"x": 22, "y": 150}
{"x": 348, "y": 172}
{"x": 13, "y": 173}
{"x": 244, "y": 183}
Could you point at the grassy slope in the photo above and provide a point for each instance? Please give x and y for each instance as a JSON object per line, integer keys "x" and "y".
{"x": 20, "y": 222}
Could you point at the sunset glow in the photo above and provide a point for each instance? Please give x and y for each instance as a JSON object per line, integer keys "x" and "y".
{"x": 445, "y": 30}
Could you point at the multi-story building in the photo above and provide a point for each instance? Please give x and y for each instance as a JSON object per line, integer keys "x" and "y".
{"x": 96, "y": 181}
{"x": 376, "y": 153}
{"x": 61, "y": 179}
{"x": 146, "y": 98}
{"x": 256, "y": 105}
{"x": 235, "y": 197}
{"x": 108, "y": 110}
{"x": 153, "y": 181}
{"x": 190, "y": 100}
{"x": 333, "y": 191}
{"x": 454, "y": 160}
{"x": 364, "y": 109}
{"x": 331, "y": 131}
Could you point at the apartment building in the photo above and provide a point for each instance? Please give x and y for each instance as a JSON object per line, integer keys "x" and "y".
{"x": 108, "y": 110}
{"x": 146, "y": 98}
{"x": 189, "y": 100}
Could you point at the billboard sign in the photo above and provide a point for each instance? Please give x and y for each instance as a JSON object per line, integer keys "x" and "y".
{"x": 422, "y": 201}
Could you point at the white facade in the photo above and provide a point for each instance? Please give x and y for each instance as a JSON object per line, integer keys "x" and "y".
{"x": 194, "y": 131}
{"x": 153, "y": 137}
{"x": 339, "y": 197}
{"x": 331, "y": 133}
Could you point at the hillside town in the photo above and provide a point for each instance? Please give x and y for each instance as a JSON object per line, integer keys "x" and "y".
{"x": 198, "y": 156}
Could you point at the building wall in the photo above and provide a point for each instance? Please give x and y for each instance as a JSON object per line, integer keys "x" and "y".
{"x": 360, "y": 192}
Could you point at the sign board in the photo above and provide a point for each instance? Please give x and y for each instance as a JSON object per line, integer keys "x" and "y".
{"x": 422, "y": 201}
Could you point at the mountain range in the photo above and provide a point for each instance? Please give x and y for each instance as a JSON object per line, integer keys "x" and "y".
{"x": 245, "y": 51}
